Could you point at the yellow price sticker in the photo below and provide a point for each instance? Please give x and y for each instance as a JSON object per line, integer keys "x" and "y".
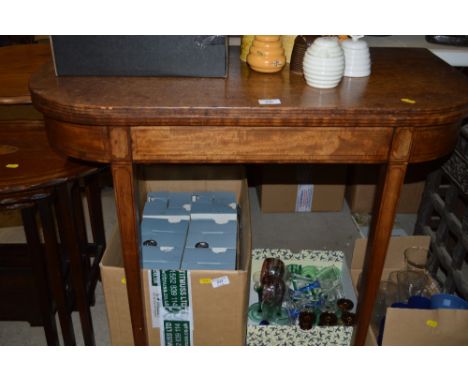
{"x": 12, "y": 165}
{"x": 123, "y": 281}
{"x": 432, "y": 323}
{"x": 408, "y": 100}
{"x": 205, "y": 281}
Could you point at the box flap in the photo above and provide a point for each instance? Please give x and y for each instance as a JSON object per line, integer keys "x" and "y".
{"x": 395, "y": 258}
{"x": 426, "y": 327}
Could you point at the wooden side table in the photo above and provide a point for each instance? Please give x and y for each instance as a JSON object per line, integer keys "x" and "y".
{"x": 409, "y": 110}
{"x": 38, "y": 181}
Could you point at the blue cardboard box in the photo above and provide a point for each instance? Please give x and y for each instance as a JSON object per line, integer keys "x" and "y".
{"x": 161, "y": 196}
{"x": 207, "y": 258}
{"x": 156, "y": 204}
{"x": 149, "y": 226}
{"x": 218, "y": 212}
{"x": 152, "y": 210}
{"x": 180, "y": 200}
{"x": 209, "y": 234}
{"x": 217, "y": 197}
{"x": 164, "y": 239}
{"x": 157, "y": 258}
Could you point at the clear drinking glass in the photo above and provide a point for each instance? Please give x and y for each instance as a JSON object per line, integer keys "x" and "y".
{"x": 386, "y": 296}
{"x": 411, "y": 283}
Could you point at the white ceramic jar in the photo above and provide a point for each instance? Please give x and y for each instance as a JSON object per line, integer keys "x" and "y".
{"x": 323, "y": 64}
{"x": 357, "y": 57}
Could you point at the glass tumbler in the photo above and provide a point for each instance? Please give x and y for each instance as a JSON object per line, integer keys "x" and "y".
{"x": 386, "y": 296}
{"x": 411, "y": 283}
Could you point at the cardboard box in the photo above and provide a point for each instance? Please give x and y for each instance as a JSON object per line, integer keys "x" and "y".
{"x": 292, "y": 335}
{"x": 181, "y": 56}
{"x": 167, "y": 258}
{"x": 412, "y": 326}
{"x": 290, "y": 188}
{"x": 216, "y": 198}
{"x": 360, "y": 191}
{"x": 216, "y": 236}
{"x": 219, "y": 309}
{"x": 207, "y": 258}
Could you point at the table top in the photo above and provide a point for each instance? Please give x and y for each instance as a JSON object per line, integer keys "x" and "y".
{"x": 408, "y": 86}
{"x": 17, "y": 63}
{"x": 220, "y": 120}
{"x": 27, "y": 162}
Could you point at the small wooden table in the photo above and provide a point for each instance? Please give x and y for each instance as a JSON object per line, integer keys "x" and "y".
{"x": 33, "y": 177}
{"x": 409, "y": 110}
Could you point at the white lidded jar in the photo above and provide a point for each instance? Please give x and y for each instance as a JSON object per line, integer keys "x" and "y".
{"x": 323, "y": 64}
{"x": 357, "y": 57}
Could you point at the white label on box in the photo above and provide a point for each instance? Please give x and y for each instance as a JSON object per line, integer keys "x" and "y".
{"x": 304, "y": 197}
{"x": 271, "y": 101}
{"x": 155, "y": 299}
{"x": 171, "y": 306}
{"x": 220, "y": 281}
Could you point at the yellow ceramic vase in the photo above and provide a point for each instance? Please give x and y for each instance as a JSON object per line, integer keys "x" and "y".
{"x": 266, "y": 55}
{"x": 246, "y": 43}
{"x": 288, "y": 44}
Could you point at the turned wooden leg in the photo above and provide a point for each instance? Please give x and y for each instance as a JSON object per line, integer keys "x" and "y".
{"x": 383, "y": 217}
{"x": 127, "y": 213}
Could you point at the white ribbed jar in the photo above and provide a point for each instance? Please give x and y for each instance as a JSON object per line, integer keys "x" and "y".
{"x": 357, "y": 57}
{"x": 323, "y": 64}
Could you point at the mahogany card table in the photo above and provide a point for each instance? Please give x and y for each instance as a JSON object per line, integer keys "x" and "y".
{"x": 408, "y": 110}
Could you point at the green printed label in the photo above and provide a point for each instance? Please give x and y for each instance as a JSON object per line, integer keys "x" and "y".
{"x": 171, "y": 309}
{"x": 177, "y": 333}
{"x": 174, "y": 290}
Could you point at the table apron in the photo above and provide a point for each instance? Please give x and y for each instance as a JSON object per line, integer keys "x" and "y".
{"x": 218, "y": 144}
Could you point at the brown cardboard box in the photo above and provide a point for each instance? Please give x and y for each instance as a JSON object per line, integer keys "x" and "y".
{"x": 412, "y": 326}
{"x": 360, "y": 191}
{"x": 323, "y": 188}
{"x": 219, "y": 314}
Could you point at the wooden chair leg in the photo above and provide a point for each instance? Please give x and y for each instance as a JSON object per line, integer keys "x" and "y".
{"x": 93, "y": 197}
{"x": 57, "y": 279}
{"x": 80, "y": 228}
{"x": 38, "y": 264}
{"x": 66, "y": 213}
